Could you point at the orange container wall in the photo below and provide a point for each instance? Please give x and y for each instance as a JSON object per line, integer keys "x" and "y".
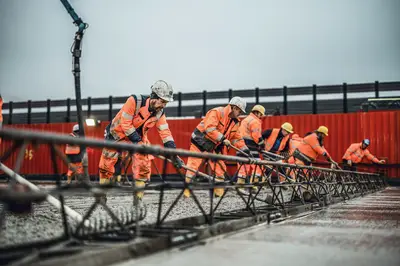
{"x": 382, "y": 128}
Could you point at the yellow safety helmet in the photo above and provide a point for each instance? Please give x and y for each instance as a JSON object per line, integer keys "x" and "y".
{"x": 259, "y": 108}
{"x": 323, "y": 130}
{"x": 288, "y": 127}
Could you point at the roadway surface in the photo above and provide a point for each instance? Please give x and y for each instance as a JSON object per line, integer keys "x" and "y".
{"x": 362, "y": 231}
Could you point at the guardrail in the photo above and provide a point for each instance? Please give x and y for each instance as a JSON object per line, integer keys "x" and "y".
{"x": 314, "y": 99}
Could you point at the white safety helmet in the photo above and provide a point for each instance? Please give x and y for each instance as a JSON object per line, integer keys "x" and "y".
{"x": 239, "y": 102}
{"x": 163, "y": 90}
{"x": 75, "y": 128}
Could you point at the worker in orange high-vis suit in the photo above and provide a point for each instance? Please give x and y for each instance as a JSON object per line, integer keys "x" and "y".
{"x": 308, "y": 150}
{"x": 355, "y": 153}
{"x": 250, "y": 130}
{"x": 277, "y": 139}
{"x": 1, "y": 113}
{"x": 219, "y": 128}
{"x": 137, "y": 116}
{"x": 74, "y": 155}
{"x": 294, "y": 142}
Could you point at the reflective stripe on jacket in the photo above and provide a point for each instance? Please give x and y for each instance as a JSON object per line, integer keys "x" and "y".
{"x": 294, "y": 142}
{"x": 310, "y": 147}
{"x": 72, "y": 149}
{"x": 250, "y": 130}
{"x": 135, "y": 116}
{"x": 269, "y": 144}
{"x": 73, "y": 152}
{"x": 355, "y": 153}
{"x": 216, "y": 126}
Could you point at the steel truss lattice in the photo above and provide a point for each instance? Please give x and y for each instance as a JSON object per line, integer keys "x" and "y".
{"x": 300, "y": 188}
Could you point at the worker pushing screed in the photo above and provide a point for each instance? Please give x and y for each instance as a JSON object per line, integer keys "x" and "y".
{"x": 75, "y": 156}
{"x": 250, "y": 130}
{"x": 309, "y": 148}
{"x": 218, "y": 128}
{"x": 277, "y": 142}
{"x": 277, "y": 139}
{"x": 355, "y": 153}
{"x": 137, "y": 116}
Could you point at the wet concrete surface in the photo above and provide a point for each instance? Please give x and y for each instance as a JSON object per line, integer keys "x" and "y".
{"x": 362, "y": 231}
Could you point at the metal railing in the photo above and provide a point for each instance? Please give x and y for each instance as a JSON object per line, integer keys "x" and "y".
{"x": 314, "y": 99}
{"x": 301, "y": 188}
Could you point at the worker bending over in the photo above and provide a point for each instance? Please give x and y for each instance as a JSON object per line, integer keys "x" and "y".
{"x": 75, "y": 156}
{"x": 309, "y": 148}
{"x": 250, "y": 130}
{"x": 355, "y": 153}
{"x": 294, "y": 142}
{"x": 277, "y": 139}
{"x": 218, "y": 128}
{"x": 137, "y": 116}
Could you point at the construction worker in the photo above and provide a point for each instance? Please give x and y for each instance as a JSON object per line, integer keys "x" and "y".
{"x": 277, "y": 139}
{"x": 1, "y": 113}
{"x": 137, "y": 116}
{"x": 218, "y": 128}
{"x": 311, "y": 146}
{"x": 74, "y": 155}
{"x": 294, "y": 142}
{"x": 355, "y": 153}
{"x": 250, "y": 130}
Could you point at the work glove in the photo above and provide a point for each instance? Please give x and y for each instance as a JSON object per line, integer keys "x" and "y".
{"x": 382, "y": 162}
{"x": 178, "y": 162}
{"x": 134, "y": 137}
{"x": 226, "y": 142}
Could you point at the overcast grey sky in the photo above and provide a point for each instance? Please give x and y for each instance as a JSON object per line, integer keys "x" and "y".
{"x": 195, "y": 45}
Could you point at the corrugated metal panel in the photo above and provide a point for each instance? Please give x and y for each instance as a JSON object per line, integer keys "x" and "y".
{"x": 382, "y": 128}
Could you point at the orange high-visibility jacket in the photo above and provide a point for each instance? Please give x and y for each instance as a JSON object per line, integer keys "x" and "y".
{"x": 311, "y": 148}
{"x": 73, "y": 152}
{"x": 355, "y": 153}
{"x": 294, "y": 142}
{"x": 135, "y": 116}
{"x": 272, "y": 138}
{"x": 250, "y": 130}
{"x": 215, "y": 127}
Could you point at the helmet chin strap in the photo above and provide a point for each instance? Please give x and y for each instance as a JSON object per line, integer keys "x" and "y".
{"x": 151, "y": 108}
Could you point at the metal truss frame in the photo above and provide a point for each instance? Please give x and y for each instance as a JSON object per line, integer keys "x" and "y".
{"x": 309, "y": 187}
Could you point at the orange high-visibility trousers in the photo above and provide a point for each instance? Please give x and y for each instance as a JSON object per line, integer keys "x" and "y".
{"x": 108, "y": 160}
{"x": 295, "y": 161}
{"x": 218, "y": 168}
{"x": 141, "y": 165}
{"x": 74, "y": 169}
{"x": 247, "y": 170}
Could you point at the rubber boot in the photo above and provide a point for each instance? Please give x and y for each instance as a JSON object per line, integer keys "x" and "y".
{"x": 186, "y": 192}
{"x": 69, "y": 179}
{"x": 140, "y": 184}
{"x": 255, "y": 181}
{"x": 241, "y": 181}
{"x": 218, "y": 192}
{"x": 103, "y": 181}
{"x": 263, "y": 179}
